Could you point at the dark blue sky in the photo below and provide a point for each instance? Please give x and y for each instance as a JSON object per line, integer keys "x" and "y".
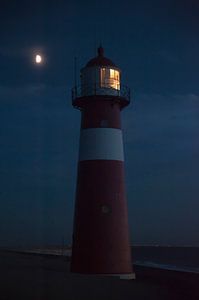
{"x": 156, "y": 45}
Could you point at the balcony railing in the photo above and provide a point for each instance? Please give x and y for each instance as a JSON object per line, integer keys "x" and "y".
{"x": 94, "y": 90}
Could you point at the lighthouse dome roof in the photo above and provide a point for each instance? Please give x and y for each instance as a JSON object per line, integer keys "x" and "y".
{"x": 100, "y": 60}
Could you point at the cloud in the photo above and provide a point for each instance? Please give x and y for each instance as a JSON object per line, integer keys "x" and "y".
{"x": 162, "y": 130}
{"x": 20, "y": 50}
{"x": 36, "y": 91}
{"x": 22, "y": 91}
{"x": 168, "y": 56}
{"x": 160, "y": 108}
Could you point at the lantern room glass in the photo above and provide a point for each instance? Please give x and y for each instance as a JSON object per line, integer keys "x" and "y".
{"x": 109, "y": 78}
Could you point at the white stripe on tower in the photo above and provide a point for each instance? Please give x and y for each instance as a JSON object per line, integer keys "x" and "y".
{"x": 101, "y": 144}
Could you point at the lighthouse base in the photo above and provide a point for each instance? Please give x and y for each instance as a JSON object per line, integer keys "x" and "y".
{"x": 128, "y": 276}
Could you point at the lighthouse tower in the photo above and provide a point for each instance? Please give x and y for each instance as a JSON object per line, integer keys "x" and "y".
{"x": 100, "y": 235}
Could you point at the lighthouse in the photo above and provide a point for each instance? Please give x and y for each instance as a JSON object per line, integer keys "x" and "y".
{"x": 100, "y": 235}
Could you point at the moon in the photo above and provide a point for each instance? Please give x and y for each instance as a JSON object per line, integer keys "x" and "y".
{"x": 38, "y": 59}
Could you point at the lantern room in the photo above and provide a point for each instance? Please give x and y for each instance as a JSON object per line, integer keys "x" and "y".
{"x": 100, "y": 77}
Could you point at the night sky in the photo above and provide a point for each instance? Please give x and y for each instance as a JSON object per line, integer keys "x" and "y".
{"x": 156, "y": 44}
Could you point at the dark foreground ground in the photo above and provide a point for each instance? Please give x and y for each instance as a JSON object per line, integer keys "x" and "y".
{"x": 26, "y": 276}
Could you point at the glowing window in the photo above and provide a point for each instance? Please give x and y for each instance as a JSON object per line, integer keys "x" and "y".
{"x": 112, "y": 73}
{"x": 110, "y": 78}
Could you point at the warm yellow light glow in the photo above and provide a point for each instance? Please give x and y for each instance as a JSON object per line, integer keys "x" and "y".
{"x": 110, "y": 78}
{"x": 112, "y": 73}
{"x": 38, "y": 59}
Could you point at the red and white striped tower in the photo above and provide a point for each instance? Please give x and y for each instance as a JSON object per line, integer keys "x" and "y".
{"x": 100, "y": 235}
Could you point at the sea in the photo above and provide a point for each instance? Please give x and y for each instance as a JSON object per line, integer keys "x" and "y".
{"x": 184, "y": 259}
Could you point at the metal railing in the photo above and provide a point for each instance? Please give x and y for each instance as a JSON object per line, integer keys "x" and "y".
{"x": 95, "y": 90}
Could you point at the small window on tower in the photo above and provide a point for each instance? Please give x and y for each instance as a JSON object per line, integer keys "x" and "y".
{"x": 110, "y": 78}
{"x": 104, "y": 123}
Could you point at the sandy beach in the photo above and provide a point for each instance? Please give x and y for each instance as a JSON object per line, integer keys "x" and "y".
{"x": 28, "y": 276}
